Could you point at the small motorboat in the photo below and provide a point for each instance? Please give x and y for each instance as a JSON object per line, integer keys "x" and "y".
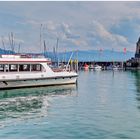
{"x": 86, "y": 66}
{"x": 91, "y": 66}
{"x": 97, "y": 67}
{"x": 114, "y": 67}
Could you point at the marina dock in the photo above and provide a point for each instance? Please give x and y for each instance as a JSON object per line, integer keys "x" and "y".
{"x": 79, "y": 65}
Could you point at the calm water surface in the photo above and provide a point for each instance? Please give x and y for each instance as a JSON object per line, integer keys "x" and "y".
{"x": 103, "y": 105}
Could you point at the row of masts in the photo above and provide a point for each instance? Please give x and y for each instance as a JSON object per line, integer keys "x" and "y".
{"x": 56, "y": 60}
{"x": 55, "y": 48}
{"x": 15, "y": 47}
{"x": 12, "y": 43}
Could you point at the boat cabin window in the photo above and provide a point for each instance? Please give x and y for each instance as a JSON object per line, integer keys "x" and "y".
{"x": 20, "y": 67}
{"x": 13, "y": 67}
{"x": 36, "y": 67}
{"x": 6, "y": 67}
{"x": 24, "y": 67}
{"x": 1, "y": 68}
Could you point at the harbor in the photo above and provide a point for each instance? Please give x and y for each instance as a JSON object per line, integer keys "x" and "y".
{"x": 97, "y": 101}
{"x": 47, "y": 98}
{"x": 104, "y": 65}
{"x": 69, "y": 70}
{"x": 132, "y": 63}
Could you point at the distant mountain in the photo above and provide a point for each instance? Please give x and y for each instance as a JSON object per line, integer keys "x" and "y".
{"x": 94, "y": 55}
{"x": 6, "y": 51}
{"x": 89, "y": 55}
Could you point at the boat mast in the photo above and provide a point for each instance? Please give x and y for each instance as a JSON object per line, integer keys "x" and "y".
{"x": 40, "y": 45}
{"x": 11, "y": 41}
{"x": 19, "y": 48}
{"x": 77, "y": 61}
{"x": 44, "y": 48}
{"x": 57, "y": 57}
{"x": 3, "y": 44}
{"x": 54, "y": 55}
{"x": 69, "y": 60}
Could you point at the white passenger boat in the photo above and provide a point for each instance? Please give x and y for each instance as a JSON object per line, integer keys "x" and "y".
{"x": 18, "y": 71}
{"x": 97, "y": 68}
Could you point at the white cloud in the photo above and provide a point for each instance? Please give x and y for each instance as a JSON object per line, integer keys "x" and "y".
{"x": 105, "y": 36}
{"x": 71, "y": 22}
{"x": 50, "y": 25}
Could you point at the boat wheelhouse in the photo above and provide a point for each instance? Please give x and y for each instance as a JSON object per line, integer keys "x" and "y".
{"x": 25, "y": 71}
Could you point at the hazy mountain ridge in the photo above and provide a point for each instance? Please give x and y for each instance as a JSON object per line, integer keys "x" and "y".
{"x": 89, "y": 55}
{"x": 94, "y": 55}
{"x": 6, "y": 51}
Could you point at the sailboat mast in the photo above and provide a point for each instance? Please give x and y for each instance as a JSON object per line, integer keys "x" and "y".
{"x": 3, "y": 45}
{"x": 40, "y": 45}
{"x": 19, "y": 48}
{"x": 57, "y": 52}
{"x": 44, "y": 48}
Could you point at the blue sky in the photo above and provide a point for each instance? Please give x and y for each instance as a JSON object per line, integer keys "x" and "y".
{"x": 78, "y": 25}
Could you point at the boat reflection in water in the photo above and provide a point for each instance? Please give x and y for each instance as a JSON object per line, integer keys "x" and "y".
{"x": 29, "y": 103}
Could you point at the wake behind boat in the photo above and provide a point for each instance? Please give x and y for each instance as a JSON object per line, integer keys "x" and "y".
{"x": 22, "y": 71}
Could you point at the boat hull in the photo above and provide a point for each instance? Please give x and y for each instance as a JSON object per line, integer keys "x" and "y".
{"x": 97, "y": 69}
{"x": 37, "y": 82}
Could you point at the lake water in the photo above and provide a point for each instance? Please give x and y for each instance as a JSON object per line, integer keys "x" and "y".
{"x": 104, "y": 104}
